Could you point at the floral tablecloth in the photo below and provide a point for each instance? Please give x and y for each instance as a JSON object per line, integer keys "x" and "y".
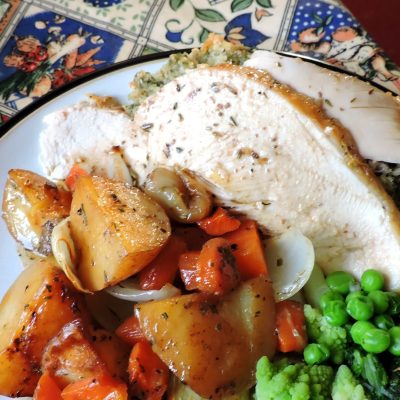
{"x": 45, "y": 44}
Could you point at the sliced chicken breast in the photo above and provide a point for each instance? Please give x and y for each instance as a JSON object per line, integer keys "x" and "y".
{"x": 270, "y": 154}
{"x": 84, "y": 133}
{"x": 371, "y": 115}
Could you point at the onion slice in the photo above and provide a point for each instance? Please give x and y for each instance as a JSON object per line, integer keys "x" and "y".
{"x": 290, "y": 259}
{"x": 130, "y": 290}
{"x": 64, "y": 252}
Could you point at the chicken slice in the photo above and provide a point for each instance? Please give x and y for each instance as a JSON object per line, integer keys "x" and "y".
{"x": 273, "y": 155}
{"x": 371, "y": 115}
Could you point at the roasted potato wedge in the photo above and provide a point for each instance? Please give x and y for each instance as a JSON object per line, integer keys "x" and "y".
{"x": 35, "y": 308}
{"x": 117, "y": 230}
{"x": 210, "y": 344}
{"x": 32, "y": 206}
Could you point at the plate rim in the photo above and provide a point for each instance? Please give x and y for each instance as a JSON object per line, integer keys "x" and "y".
{"x": 48, "y": 97}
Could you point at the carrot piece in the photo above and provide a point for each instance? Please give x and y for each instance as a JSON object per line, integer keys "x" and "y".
{"x": 47, "y": 389}
{"x": 248, "y": 250}
{"x": 73, "y": 175}
{"x": 98, "y": 387}
{"x": 217, "y": 271}
{"x": 164, "y": 267}
{"x": 147, "y": 373}
{"x": 290, "y": 326}
{"x": 130, "y": 332}
{"x": 219, "y": 223}
{"x": 188, "y": 268}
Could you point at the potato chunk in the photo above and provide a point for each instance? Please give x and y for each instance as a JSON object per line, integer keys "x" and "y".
{"x": 213, "y": 345}
{"x": 117, "y": 230}
{"x": 32, "y": 206}
{"x": 35, "y": 308}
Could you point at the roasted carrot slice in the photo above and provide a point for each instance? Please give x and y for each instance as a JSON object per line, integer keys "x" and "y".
{"x": 130, "y": 332}
{"x": 148, "y": 375}
{"x": 217, "y": 271}
{"x": 219, "y": 223}
{"x": 290, "y": 326}
{"x": 248, "y": 250}
{"x": 188, "y": 267}
{"x": 100, "y": 387}
{"x": 164, "y": 267}
{"x": 47, "y": 389}
{"x": 73, "y": 175}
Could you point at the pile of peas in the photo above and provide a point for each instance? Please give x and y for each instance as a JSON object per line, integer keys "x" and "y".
{"x": 364, "y": 308}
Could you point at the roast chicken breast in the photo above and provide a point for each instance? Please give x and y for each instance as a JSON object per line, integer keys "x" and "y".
{"x": 268, "y": 153}
{"x": 372, "y": 115}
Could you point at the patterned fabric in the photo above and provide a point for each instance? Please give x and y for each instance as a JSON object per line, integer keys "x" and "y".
{"x": 45, "y": 44}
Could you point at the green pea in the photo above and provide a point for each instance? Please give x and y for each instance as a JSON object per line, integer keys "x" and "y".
{"x": 335, "y": 313}
{"x": 394, "y": 340}
{"x": 340, "y": 282}
{"x": 358, "y": 330}
{"x": 360, "y": 308}
{"x": 383, "y": 321}
{"x": 357, "y": 293}
{"x": 380, "y": 300}
{"x": 376, "y": 340}
{"x": 327, "y": 297}
{"x": 394, "y": 303}
{"x": 315, "y": 353}
{"x": 372, "y": 280}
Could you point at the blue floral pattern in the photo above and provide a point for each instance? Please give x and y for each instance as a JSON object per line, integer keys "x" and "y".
{"x": 240, "y": 30}
{"x": 103, "y": 3}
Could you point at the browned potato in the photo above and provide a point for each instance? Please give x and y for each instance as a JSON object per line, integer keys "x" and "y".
{"x": 35, "y": 308}
{"x": 32, "y": 206}
{"x": 213, "y": 346}
{"x": 117, "y": 230}
{"x": 70, "y": 356}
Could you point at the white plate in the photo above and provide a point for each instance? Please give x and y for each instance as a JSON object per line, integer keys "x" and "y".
{"x": 19, "y": 148}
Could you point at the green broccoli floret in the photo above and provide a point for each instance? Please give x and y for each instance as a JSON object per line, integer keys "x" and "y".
{"x": 284, "y": 381}
{"x": 346, "y": 387}
{"x": 320, "y": 331}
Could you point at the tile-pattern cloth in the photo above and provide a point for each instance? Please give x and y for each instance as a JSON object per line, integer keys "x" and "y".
{"x": 45, "y": 44}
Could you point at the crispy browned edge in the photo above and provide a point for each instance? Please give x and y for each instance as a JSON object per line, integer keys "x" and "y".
{"x": 339, "y": 135}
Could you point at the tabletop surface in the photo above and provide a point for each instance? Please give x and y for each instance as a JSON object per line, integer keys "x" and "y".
{"x": 45, "y": 44}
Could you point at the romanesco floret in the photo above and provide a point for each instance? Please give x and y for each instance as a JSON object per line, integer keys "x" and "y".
{"x": 346, "y": 387}
{"x": 320, "y": 331}
{"x": 283, "y": 381}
